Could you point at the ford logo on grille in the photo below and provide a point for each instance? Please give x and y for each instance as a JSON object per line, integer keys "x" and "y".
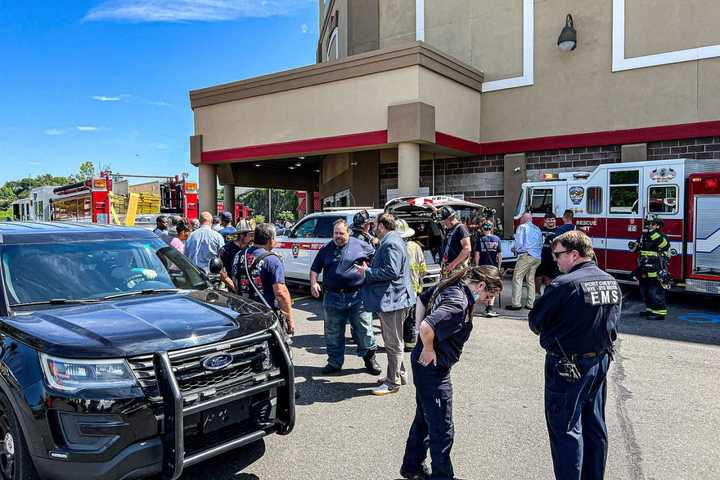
{"x": 217, "y": 361}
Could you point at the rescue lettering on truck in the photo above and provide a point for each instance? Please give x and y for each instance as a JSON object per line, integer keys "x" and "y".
{"x": 612, "y": 202}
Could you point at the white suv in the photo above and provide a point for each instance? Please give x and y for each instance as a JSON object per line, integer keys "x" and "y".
{"x": 300, "y": 246}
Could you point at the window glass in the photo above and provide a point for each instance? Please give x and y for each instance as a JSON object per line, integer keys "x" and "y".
{"x": 663, "y": 199}
{"x": 625, "y": 177}
{"x": 594, "y": 200}
{"x": 325, "y": 226}
{"x": 305, "y": 229}
{"x": 541, "y": 200}
{"x": 520, "y": 209}
{"x": 624, "y": 199}
{"x": 92, "y": 270}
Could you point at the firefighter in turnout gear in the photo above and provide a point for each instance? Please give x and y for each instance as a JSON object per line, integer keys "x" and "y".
{"x": 361, "y": 228}
{"x": 652, "y": 273}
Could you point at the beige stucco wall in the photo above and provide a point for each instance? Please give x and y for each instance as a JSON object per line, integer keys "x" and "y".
{"x": 658, "y": 26}
{"x": 485, "y": 34}
{"x": 577, "y": 92}
{"x": 397, "y": 22}
{"x": 339, "y": 108}
{"x": 457, "y": 107}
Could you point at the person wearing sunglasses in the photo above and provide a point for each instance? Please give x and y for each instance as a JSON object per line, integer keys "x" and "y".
{"x": 577, "y": 319}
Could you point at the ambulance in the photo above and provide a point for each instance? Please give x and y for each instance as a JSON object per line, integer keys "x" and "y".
{"x": 612, "y": 202}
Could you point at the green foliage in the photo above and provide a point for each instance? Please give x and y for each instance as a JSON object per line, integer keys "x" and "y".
{"x": 286, "y": 216}
{"x": 282, "y": 201}
{"x": 16, "y": 189}
{"x": 86, "y": 172}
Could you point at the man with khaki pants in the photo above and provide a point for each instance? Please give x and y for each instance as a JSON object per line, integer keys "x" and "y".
{"x": 528, "y": 247}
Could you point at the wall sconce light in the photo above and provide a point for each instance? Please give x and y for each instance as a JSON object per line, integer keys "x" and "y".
{"x": 567, "y": 41}
{"x": 516, "y": 170}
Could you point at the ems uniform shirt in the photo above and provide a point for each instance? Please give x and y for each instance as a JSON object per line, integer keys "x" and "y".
{"x": 272, "y": 271}
{"x": 489, "y": 247}
{"x": 227, "y": 254}
{"x": 452, "y": 246}
{"x": 337, "y": 264}
{"x": 580, "y": 310}
{"x": 449, "y": 320}
{"x": 565, "y": 227}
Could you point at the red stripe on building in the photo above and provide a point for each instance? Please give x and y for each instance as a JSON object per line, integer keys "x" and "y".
{"x": 299, "y": 147}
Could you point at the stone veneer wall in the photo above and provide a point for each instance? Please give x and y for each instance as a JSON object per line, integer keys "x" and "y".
{"x": 706, "y": 148}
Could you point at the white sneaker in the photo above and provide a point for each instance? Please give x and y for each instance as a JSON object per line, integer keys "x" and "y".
{"x": 385, "y": 390}
{"x": 382, "y": 380}
{"x": 491, "y": 314}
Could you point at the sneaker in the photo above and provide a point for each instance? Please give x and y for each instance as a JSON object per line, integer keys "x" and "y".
{"x": 371, "y": 365}
{"x": 403, "y": 380}
{"x": 513, "y": 307}
{"x": 491, "y": 314}
{"x": 330, "y": 369}
{"x": 422, "y": 475}
{"x": 385, "y": 390}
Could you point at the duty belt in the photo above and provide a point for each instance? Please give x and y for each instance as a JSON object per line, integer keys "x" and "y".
{"x": 573, "y": 356}
{"x": 647, "y": 253}
{"x": 343, "y": 290}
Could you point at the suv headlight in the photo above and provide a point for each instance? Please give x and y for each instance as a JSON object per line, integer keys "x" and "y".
{"x": 71, "y": 375}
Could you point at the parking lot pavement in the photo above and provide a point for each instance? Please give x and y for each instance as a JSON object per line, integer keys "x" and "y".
{"x": 662, "y": 409}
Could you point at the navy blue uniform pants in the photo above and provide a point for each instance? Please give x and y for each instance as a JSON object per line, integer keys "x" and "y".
{"x": 575, "y": 416}
{"x": 433, "y": 427}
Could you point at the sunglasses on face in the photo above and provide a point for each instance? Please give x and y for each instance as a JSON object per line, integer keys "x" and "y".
{"x": 556, "y": 255}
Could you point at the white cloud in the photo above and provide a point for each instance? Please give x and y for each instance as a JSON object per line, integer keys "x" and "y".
{"x": 192, "y": 10}
{"x": 103, "y": 98}
{"x": 161, "y": 146}
{"x": 304, "y": 29}
{"x": 53, "y": 132}
{"x": 86, "y": 128}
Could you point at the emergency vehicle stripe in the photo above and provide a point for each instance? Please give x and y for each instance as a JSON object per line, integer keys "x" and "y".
{"x": 301, "y": 246}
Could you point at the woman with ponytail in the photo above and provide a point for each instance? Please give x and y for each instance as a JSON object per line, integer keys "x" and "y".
{"x": 444, "y": 316}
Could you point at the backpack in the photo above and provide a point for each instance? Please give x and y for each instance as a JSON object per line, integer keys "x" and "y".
{"x": 248, "y": 275}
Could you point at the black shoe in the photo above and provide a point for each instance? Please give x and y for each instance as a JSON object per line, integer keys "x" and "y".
{"x": 652, "y": 316}
{"x": 371, "y": 364}
{"x": 329, "y": 369}
{"x": 423, "y": 475}
{"x": 513, "y": 307}
{"x": 527, "y": 308}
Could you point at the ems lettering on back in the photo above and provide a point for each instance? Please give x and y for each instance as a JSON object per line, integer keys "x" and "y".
{"x": 601, "y": 292}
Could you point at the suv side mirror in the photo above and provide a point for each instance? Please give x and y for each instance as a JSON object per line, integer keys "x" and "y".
{"x": 216, "y": 266}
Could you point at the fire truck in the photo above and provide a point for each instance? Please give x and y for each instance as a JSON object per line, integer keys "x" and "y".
{"x": 91, "y": 200}
{"x": 612, "y": 202}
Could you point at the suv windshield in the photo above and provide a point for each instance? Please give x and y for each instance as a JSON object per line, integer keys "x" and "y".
{"x": 93, "y": 270}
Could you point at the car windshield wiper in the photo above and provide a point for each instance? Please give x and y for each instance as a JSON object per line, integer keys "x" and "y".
{"x": 147, "y": 291}
{"x": 59, "y": 301}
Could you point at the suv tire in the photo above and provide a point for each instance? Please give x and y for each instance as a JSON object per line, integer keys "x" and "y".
{"x": 15, "y": 461}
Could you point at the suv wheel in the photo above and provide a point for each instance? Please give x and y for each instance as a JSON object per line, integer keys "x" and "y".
{"x": 15, "y": 462}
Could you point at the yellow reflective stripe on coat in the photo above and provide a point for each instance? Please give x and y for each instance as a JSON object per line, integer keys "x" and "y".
{"x": 655, "y": 236}
{"x": 652, "y": 274}
{"x": 663, "y": 244}
{"x": 648, "y": 253}
{"x": 657, "y": 312}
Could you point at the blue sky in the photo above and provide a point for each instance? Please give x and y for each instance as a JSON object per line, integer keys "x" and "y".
{"x": 107, "y": 81}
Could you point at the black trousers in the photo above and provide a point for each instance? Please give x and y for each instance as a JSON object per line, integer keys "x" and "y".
{"x": 433, "y": 427}
{"x": 653, "y": 295}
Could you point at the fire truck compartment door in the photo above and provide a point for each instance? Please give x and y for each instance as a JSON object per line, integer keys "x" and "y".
{"x": 706, "y": 254}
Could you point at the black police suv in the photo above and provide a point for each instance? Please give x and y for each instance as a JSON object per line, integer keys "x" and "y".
{"x": 118, "y": 359}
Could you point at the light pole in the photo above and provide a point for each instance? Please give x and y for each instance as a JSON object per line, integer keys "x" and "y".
{"x": 269, "y": 220}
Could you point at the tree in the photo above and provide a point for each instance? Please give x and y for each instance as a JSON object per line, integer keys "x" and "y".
{"x": 16, "y": 189}
{"x": 86, "y": 172}
{"x": 282, "y": 200}
{"x": 286, "y": 216}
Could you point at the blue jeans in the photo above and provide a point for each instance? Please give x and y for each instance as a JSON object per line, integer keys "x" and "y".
{"x": 339, "y": 309}
{"x": 575, "y": 416}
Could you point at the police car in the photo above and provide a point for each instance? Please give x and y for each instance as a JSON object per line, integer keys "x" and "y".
{"x": 300, "y": 246}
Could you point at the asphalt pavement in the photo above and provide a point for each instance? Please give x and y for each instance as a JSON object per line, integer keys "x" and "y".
{"x": 662, "y": 412}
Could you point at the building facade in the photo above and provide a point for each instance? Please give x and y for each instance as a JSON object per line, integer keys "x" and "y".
{"x": 468, "y": 97}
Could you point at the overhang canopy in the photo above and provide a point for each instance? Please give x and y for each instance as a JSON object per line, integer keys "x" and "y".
{"x": 370, "y": 101}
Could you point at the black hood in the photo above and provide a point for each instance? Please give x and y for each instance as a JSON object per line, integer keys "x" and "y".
{"x": 138, "y": 325}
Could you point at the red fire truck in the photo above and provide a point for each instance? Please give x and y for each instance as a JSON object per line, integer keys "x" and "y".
{"x": 612, "y": 202}
{"x": 89, "y": 201}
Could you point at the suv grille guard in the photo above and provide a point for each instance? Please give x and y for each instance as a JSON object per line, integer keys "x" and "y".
{"x": 174, "y": 459}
